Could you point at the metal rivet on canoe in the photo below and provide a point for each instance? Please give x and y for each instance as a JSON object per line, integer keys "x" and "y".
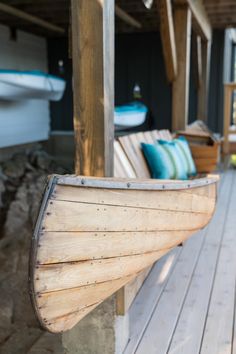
{"x": 163, "y": 186}
{"x": 82, "y": 181}
{"x": 128, "y": 185}
{"x": 48, "y": 213}
{"x": 51, "y": 202}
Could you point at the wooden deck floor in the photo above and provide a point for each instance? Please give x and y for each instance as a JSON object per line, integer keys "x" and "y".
{"x": 187, "y": 304}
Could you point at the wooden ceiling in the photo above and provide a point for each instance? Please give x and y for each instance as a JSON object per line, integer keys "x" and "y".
{"x": 222, "y": 13}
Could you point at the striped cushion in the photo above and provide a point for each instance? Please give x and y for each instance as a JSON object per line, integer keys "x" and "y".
{"x": 158, "y": 160}
{"x": 180, "y": 166}
{"x": 186, "y": 152}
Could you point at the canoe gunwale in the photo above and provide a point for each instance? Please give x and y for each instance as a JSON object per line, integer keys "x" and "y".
{"x": 134, "y": 184}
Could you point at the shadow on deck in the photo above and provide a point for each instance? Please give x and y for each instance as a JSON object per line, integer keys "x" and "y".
{"x": 187, "y": 303}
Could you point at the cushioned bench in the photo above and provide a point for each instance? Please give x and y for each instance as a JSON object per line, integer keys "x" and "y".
{"x": 129, "y": 162}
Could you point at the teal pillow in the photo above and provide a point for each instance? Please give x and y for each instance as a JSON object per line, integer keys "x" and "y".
{"x": 158, "y": 160}
{"x": 176, "y": 158}
{"x": 184, "y": 146}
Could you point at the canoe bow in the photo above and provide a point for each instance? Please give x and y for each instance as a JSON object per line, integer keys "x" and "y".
{"x": 94, "y": 235}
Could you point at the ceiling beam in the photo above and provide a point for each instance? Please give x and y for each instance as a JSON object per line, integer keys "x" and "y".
{"x": 124, "y": 16}
{"x": 30, "y": 18}
{"x": 200, "y": 20}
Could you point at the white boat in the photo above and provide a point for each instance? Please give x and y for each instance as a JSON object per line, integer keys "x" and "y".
{"x": 19, "y": 85}
{"x": 130, "y": 115}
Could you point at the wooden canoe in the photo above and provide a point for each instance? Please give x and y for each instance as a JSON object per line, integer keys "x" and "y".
{"x": 93, "y": 235}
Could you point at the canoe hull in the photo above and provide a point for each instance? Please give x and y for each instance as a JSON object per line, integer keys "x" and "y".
{"x": 94, "y": 235}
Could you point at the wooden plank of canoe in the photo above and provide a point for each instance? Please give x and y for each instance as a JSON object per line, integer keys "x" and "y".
{"x": 124, "y": 161}
{"x": 162, "y": 200}
{"x": 61, "y": 303}
{"x": 70, "y": 216}
{"x": 220, "y": 318}
{"x": 125, "y": 296}
{"x": 192, "y": 318}
{"x": 62, "y": 276}
{"x": 64, "y": 323}
{"x": 81, "y": 246}
{"x": 159, "y": 333}
{"x": 138, "y": 165}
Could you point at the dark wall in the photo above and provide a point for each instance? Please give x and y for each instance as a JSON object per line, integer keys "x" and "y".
{"x": 216, "y": 91}
{"x": 139, "y": 59}
{"x": 62, "y": 111}
{"x": 193, "y": 94}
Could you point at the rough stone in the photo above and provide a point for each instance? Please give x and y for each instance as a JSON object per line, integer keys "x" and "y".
{"x": 13, "y": 168}
{"x": 22, "y": 186}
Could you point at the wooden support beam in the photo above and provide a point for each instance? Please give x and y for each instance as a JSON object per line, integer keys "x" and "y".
{"x": 93, "y": 85}
{"x": 30, "y": 18}
{"x": 228, "y": 91}
{"x": 180, "y": 92}
{"x": 168, "y": 38}
{"x": 124, "y": 16}
{"x": 203, "y": 90}
{"x": 200, "y": 20}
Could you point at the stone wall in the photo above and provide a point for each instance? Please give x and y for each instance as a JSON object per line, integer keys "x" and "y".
{"x": 22, "y": 180}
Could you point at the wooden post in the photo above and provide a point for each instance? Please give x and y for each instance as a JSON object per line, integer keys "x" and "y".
{"x": 228, "y": 91}
{"x": 180, "y": 95}
{"x": 168, "y": 39}
{"x": 93, "y": 85}
{"x": 204, "y": 83}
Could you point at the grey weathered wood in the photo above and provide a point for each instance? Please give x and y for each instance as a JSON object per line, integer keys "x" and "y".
{"x": 199, "y": 318}
{"x": 220, "y": 317}
{"x": 148, "y": 297}
{"x": 123, "y": 183}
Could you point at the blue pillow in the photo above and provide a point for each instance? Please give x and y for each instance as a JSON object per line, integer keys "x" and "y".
{"x": 184, "y": 146}
{"x": 158, "y": 160}
{"x": 176, "y": 158}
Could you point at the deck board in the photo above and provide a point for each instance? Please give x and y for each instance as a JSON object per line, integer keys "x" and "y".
{"x": 195, "y": 310}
